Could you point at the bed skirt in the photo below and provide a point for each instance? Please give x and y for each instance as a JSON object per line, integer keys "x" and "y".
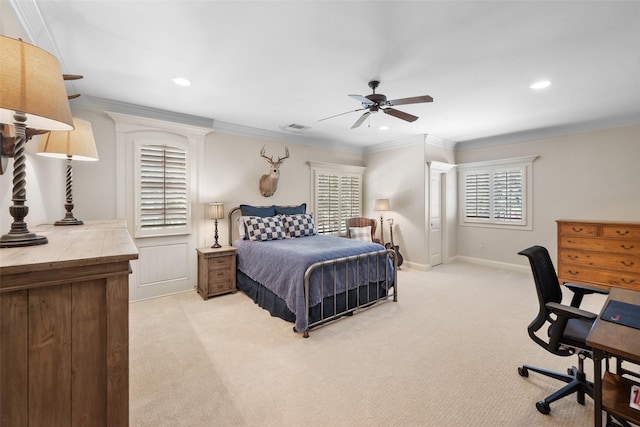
{"x": 275, "y": 305}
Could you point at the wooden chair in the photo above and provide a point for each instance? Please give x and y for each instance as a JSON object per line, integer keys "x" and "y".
{"x": 363, "y": 222}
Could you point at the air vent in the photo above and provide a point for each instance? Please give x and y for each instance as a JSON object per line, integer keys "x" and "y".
{"x": 296, "y": 127}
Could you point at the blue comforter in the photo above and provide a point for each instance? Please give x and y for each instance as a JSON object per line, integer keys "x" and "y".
{"x": 280, "y": 265}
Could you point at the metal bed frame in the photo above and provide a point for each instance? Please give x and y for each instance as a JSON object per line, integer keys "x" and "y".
{"x": 391, "y": 290}
{"x": 359, "y": 304}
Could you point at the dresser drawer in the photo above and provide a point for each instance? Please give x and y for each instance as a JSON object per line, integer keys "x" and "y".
{"x": 621, "y": 231}
{"x": 581, "y": 274}
{"x": 613, "y": 261}
{"x": 578, "y": 229}
{"x": 598, "y": 244}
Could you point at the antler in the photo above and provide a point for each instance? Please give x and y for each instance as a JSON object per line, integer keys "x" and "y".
{"x": 269, "y": 159}
{"x": 280, "y": 159}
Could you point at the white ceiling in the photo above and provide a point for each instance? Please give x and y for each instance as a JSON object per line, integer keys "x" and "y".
{"x": 267, "y": 64}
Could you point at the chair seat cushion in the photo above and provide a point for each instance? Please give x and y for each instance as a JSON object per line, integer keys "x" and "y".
{"x": 576, "y": 332}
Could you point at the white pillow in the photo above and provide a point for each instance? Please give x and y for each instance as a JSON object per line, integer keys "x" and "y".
{"x": 242, "y": 228}
{"x": 360, "y": 233}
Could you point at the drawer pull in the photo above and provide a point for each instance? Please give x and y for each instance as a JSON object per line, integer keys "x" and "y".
{"x": 627, "y": 264}
{"x": 573, "y": 273}
{"x": 627, "y": 247}
{"x": 577, "y": 230}
{"x": 622, "y": 234}
{"x": 573, "y": 257}
{"x": 628, "y": 282}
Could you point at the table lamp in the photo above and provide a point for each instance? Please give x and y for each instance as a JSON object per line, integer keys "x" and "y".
{"x": 32, "y": 94}
{"x": 381, "y": 205}
{"x": 216, "y": 212}
{"x": 77, "y": 144}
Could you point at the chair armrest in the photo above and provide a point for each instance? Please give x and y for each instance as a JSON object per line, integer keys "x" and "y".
{"x": 569, "y": 312}
{"x": 585, "y": 289}
{"x": 579, "y": 291}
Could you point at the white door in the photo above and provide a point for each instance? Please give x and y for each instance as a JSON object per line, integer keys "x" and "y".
{"x": 167, "y": 261}
{"x": 435, "y": 218}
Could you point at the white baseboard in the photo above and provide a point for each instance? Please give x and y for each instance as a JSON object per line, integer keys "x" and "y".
{"x": 494, "y": 264}
{"x": 416, "y": 266}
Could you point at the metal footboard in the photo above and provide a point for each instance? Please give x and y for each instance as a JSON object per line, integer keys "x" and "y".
{"x": 389, "y": 285}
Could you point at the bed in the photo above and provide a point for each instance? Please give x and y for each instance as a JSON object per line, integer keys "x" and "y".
{"x": 303, "y": 277}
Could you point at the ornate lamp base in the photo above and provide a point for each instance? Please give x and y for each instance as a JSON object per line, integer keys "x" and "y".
{"x": 21, "y": 239}
{"x": 68, "y": 221}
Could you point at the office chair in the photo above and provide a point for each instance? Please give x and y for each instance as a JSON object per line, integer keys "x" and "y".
{"x": 567, "y": 331}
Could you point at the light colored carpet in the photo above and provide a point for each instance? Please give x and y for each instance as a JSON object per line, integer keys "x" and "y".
{"x": 445, "y": 354}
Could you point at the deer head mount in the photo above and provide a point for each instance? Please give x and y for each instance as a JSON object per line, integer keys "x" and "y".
{"x": 269, "y": 182}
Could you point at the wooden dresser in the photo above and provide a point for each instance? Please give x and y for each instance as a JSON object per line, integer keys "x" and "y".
{"x": 601, "y": 253}
{"x": 64, "y": 327}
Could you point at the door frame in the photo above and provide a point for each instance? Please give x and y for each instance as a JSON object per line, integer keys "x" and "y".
{"x": 447, "y": 212}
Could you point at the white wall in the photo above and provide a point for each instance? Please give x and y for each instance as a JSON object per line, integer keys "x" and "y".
{"x": 233, "y": 167}
{"x": 591, "y": 175}
{"x": 399, "y": 174}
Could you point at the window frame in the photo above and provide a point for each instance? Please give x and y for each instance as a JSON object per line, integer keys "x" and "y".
{"x": 341, "y": 171}
{"x": 141, "y": 231}
{"x": 489, "y": 170}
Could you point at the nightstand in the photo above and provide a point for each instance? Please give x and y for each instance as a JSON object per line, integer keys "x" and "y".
{"x": 216, "y": 271}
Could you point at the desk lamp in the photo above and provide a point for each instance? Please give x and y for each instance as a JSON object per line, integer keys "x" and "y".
{"x": 32, "y": 94}
{"x": 77, "y": 144}
{"x": 216, "y": 212}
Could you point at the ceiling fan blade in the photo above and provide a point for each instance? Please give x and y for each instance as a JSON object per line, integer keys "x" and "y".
{"x": 361, "y": 119}
{"x": 342, "y": 114}
{"x": 400, "y": 114}
{"x": 412, "y": 100}
{"x": 362, "y": 99}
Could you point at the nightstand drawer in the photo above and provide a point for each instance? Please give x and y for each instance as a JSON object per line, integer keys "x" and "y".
{"x": 219, "y": 275}
{"x": 219, "y": 262}
{"x": 577, "y": 229}
{"x": 621, "y": 232}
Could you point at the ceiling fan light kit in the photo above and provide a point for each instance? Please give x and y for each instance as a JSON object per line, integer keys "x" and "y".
{"x": 378, "y": 102}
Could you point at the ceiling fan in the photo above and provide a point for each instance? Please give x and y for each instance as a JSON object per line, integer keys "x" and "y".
{"x": 377, "y": 101}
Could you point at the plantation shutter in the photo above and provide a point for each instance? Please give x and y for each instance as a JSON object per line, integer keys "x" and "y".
{"x": 163, "y": 192}
{"x": 477, "y": 203}
{"x": 507, "y": 195}
{"x": 337, "y": 198}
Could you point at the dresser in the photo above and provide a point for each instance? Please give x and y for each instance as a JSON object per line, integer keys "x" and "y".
{"x": 216, "y": 271}
{"x": 64, "y": 327}
{"x": 601, "y": 253}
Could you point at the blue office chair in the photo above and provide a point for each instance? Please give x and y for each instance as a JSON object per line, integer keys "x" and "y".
{"x": 568, "y": 327}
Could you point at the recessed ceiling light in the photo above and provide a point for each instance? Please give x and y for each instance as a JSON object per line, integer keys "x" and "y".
{"x": 181, "y": 81}
{"x": 384, "y": 127}
{"x": 540, "y": 85}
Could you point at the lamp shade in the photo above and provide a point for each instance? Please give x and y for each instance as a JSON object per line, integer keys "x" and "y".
{"x": 216, "y": 211}
{"x": 381, "y": 205}
{"x": 31, "y": 83}
{"x": 79, "y": 143}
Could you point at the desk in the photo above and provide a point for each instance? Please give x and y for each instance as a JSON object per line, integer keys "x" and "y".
{"x": 622, "y": 342}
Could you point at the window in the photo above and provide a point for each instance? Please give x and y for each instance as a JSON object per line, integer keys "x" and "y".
{"x": 337, "y": 196}
{"x": 496, "y": 193}
{"x": 163, "y": 189}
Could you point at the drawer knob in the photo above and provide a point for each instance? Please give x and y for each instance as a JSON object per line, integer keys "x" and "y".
{"x": 577, "y": 230}
{"x": 573, "y": 273}
{"x": 627, "y": 247}
{"x": 620, "y": 233}
{"x": 627, "y": 263}
{"x": 628, "y": 282}
{"x": 573, "y": 257}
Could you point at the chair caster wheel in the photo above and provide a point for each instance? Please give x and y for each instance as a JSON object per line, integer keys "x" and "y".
{"x": 524, "y": 372}
{"x": 543, "y": 407}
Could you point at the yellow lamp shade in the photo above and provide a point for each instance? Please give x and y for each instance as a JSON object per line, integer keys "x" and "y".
{"x": 78, "y": 144}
